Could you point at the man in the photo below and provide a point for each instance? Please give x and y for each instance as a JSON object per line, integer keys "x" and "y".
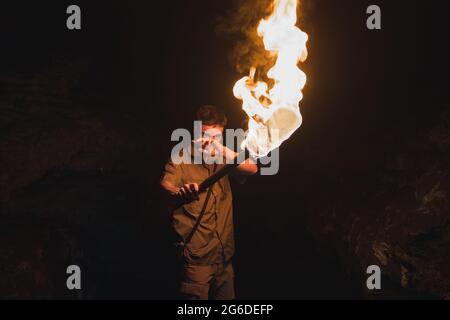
{"x": 207, "y": 268}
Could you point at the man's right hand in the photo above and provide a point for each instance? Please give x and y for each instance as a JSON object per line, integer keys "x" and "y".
{"x": 189, "y": 192}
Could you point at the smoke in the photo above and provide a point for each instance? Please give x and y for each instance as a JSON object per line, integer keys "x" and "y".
{"x": 241, "y": 23}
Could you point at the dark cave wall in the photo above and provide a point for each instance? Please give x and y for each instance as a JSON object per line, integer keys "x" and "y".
{"x": 73, "y": 190}
{"x": 396, "y": 216}
{"x": 82, "y": 139}
{"x": 81, "y": 188}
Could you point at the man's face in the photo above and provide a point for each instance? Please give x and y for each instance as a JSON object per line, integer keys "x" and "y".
{"x": 213, "y": 132}
{"x": 210, "y": 133}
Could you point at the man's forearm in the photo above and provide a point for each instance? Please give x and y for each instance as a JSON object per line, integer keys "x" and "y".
{"x": 169, "y": 188}
{"x": 248, "y": 167}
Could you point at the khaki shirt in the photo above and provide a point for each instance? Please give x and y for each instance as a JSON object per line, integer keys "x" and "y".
{"x": 213, "y": 242}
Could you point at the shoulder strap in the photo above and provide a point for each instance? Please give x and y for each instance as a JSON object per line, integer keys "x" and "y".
{"x": 202, "y": 213}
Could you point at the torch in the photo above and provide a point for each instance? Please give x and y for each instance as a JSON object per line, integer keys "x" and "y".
{"x": 273, "y": 113}
{"x": 216, "y": 176}
{"x": 222, "y": 172}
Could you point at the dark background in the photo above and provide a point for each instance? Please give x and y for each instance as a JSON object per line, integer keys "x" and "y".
{"x": 136, "y": 71}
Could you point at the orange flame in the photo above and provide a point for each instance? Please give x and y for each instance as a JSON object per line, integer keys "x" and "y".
{"x": 274, "y": 114}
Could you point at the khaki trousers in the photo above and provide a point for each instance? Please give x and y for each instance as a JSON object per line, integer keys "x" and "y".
{"x": 208, "y": 282}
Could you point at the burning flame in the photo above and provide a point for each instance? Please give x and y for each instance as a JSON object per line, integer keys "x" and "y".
{"x": 274, "y": 114}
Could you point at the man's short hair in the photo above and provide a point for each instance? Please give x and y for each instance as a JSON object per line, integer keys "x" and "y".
{"x": 211, "y": 115}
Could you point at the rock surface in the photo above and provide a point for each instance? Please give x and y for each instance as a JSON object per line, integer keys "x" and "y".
{"x": 397, "y": 218}
{"x": 71, "y": 192}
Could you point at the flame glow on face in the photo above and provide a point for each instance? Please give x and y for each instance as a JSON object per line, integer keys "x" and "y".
{"x": 274, "y": 113}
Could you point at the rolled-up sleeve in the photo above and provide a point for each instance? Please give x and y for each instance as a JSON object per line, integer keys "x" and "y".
{"x": 172, "y": 174}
